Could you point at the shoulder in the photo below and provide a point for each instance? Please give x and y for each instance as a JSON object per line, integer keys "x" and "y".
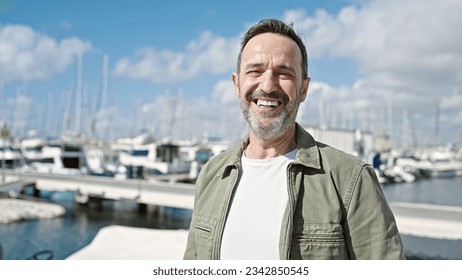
{"x": 337, "y": 157}
{"x": 346, "y": 167}
{"x": 319, "y": 155}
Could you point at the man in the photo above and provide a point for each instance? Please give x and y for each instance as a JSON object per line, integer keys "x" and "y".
{"x": 281, "y": 195}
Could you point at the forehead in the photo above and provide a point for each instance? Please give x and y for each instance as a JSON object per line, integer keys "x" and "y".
{"x": 271, "y": 46}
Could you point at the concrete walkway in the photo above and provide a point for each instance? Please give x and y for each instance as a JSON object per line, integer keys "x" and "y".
{"x": 428, "y": 220}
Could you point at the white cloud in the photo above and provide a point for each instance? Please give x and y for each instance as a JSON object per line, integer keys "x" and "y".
{"x": 28, "y": 55}
{"x": 414, "y": 38}
{"x": 408, "y": 53}
{"x": 207, "y": 54}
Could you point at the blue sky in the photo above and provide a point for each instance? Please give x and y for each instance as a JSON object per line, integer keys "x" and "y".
{"x": 383, "y": 66}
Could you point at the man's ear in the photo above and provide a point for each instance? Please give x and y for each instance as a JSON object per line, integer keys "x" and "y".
{"x": 235, "y": 77}
{"x": 305, "y": 85}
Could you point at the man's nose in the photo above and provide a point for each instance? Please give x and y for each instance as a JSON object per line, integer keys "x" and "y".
{"x": 269, "y": 82}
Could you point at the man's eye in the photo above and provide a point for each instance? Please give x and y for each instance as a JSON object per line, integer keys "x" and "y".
{"x": 254, "y": 73}
{"x": 284, "y": 75}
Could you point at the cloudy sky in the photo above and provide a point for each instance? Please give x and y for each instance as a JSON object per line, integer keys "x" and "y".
{"x": 387, "y": 66}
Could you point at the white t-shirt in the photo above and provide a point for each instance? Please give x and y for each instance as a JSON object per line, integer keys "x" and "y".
{"x": 253, "y": 225}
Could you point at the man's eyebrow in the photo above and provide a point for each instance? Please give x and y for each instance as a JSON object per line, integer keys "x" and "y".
{"x": 286, "y": 67}
{"x": 253, "y": 65}
{"x": 281, "y": 66}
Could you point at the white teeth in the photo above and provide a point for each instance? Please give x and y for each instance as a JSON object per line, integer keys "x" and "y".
{"x": 267, "y": 103}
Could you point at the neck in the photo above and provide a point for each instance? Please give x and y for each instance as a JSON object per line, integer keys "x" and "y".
{"x": 261, "y": 148}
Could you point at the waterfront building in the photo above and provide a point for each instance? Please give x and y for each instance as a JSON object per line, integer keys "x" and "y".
{"x": 355, "y": 142}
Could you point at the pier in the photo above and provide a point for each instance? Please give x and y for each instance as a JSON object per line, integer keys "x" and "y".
{"x": 152, "y": 192}
{"x": 428, "y": 220}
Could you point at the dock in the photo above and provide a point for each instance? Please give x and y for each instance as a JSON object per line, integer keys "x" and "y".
{"x": 428, "y": 220}
{"x": 151, "y": 192}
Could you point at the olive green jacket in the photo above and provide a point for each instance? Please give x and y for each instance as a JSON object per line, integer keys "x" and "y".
{"x": 336, "y": 207}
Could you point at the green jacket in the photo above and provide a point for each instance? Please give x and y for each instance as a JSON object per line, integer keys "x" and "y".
{"x": 336, "y": 207}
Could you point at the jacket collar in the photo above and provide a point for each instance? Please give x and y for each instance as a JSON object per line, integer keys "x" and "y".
{"x": 308, "y": 151}
{"x": 307, "y": 155}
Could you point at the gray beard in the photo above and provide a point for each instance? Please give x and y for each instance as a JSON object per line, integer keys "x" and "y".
{"x": 278, "y": 126}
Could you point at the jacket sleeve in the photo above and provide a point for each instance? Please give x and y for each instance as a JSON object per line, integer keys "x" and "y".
{"x": 370, "y": 227}
{"x": 191, "y": 246}
{"x": 191, "y": 250}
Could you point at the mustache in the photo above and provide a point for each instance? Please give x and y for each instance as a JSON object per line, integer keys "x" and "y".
{"x": 273, "y": 95}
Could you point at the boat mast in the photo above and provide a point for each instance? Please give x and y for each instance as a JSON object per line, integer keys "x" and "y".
{"x": 78, "y": 94}
{"x": 436, "y": 140}
{"x": 101, "y": 102}
{"x": 105, "y": 81}
{"x": 2, "y": 96}
{"x": 390, "y": 118}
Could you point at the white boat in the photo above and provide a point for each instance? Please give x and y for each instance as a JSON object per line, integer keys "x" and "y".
{"x": 138, "y": 244}
{"x": 101, "y": 160}
{"x": 53, "y": 157}
{"x": 10, "y": 157}
{"x": 142, "y": 155}
{"x": 439, "y": 168}
{"x": 397, "y": 174}
{"x": 198, "y": 154}
{"x": 431, "y": 163}
{"x": 31, "y": 149}
{"x": 389, "y": 169}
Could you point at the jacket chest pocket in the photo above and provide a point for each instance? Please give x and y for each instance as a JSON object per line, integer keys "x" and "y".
{"x": 318, "y": 242}
{"x": 204, "y": 236}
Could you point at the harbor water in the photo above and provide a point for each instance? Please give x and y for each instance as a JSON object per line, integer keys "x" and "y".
{"x": 437, "y": 191}
{"x": 60, "y": 237}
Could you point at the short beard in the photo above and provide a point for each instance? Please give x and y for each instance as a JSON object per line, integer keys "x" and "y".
{"x": 280, "y": 124}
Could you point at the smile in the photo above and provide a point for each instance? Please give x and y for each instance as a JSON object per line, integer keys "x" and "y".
{"x": 267, "y": 103}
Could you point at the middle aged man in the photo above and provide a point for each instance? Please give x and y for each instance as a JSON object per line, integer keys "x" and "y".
{"x": 281, "y": 194}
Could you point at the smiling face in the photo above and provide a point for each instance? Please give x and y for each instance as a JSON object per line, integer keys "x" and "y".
{"x": 270, "y": 84}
